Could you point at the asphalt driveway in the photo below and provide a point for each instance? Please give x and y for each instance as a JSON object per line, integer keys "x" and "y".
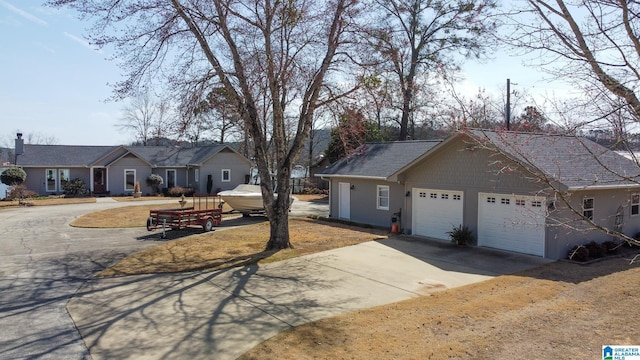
{"x": 51, "y": 307}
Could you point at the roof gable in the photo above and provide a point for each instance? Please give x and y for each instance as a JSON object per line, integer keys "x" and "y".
{"x": 573, "y": 161}
{"x": 378, "y": 160}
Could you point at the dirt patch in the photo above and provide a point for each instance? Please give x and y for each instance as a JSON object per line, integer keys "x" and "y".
{"x": 560, "y": 310}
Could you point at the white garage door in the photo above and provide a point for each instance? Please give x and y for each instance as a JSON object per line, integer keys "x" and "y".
{"x": 435, "y": 212}
{"x": 511, "y": 222}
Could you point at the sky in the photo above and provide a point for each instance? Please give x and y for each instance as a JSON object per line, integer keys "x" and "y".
{"x": 53, "y": 83}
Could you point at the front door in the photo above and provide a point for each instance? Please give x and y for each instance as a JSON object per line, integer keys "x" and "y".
{"x": 99, "y": 180}
{"x": 344, "y": 201}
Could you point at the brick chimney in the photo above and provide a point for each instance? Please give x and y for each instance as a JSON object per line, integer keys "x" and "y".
{"x": 19, "y": 150}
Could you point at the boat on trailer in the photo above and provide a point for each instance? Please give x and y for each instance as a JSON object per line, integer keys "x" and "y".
{"x": 244, "y": 198}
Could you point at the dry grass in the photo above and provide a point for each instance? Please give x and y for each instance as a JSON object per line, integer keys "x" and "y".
{"x": 47, "y": 201}
{"x": 239, "y": 246}
{"x": 123, "y": 217}
{"x": 560, "y": 310}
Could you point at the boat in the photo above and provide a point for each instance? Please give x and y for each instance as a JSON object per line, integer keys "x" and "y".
{"x": 244, "y": 198}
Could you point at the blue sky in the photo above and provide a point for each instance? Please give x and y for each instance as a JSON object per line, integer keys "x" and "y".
{"x": 53, "y": 83}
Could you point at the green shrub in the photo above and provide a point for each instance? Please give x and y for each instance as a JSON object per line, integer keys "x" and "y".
{"x": 75, "y": 187}
{"x": 13, "y": 176}
{"x": 461, "y": 235}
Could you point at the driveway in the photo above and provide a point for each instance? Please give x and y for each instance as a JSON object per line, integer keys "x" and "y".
{"x": 49, "y": 294}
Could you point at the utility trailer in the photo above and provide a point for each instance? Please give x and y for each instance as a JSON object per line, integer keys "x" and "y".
{"x": 205, "y": 212}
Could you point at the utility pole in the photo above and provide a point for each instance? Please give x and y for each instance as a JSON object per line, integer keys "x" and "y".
{"x": 507, "y": 114}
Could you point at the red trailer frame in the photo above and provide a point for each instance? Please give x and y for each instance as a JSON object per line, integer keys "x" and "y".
{"x": 207, "y": 215}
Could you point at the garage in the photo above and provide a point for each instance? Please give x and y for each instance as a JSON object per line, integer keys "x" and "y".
{"x": 436, "y": 212}
{"x": 512, "y": 222}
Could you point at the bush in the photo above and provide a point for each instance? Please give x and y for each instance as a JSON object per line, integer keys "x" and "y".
{"x": 75, "y": 187}
{"x": 595, "y": 250}
{"x": 611, "y": 247}
{"x": 18, "y": 192}
{"x": 154, "y": 181}
{"x": 13, "y": 176}
{"x": 578, "y": 253}
{"x": 177, "y": 191}
{"x": 460, "y": 235}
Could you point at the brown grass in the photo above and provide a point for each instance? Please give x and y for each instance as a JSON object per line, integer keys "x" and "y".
{"x": 239, "y": 246}
{"x": 123, "y": 217}
{"x": 46, "y": 202}
{"x": 560, "y": 310}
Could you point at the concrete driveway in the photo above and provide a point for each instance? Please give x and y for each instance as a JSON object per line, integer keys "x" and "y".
{"x": 49, "y": 294}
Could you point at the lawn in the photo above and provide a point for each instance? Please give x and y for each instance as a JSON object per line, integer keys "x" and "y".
{"x": 560, "y": 310}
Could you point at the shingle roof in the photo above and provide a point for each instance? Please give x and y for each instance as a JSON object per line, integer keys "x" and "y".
{"x": 84, "y": 156}
{"x": 378, "y": 160}
{"x": 62, "y": 155}
{"x": 573, "y": 161}
{"x": 173, "y": 156}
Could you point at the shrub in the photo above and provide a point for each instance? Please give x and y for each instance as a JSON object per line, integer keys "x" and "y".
{"x": 13, "y": 176}
{"x": 460, "y": 235}
{"x": 75, "y": 187}
{"x": 154, "y": 181}
{"x": 578, "y": 253}
{"x": 20, "y": 192}
{"x": 595, "y": 250}
{"x": 177, "y": 191}
{"x": 611, "y": 247}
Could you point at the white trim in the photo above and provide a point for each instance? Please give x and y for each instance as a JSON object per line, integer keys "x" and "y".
{"x": 632, "y": 204}
{"x": 134, "y": 180}
{"x": 378, "y": 197}
{"x": 175, "y": 177}
{"x": 55, "y": 179}
{"x": 222, "y": 171}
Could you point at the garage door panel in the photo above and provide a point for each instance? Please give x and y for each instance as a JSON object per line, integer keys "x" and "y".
{"x": 510, "y": 222}
{"x": 436, "y": 212}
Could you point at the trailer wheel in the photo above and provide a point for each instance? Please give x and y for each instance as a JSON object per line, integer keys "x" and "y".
{"x": 149, "y": 223}
{"x": 208, "y": 225}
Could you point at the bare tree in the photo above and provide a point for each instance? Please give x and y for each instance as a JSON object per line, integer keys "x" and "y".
{"x": 592, "y": 43}
{"x": 264, "y": 53}
{"x": 145, "y": 119}
{"x": 416, "y": 37}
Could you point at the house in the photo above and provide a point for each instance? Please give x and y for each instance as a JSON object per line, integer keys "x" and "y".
{"x": 522, "y": 192}
{"x": 116, "y": 169}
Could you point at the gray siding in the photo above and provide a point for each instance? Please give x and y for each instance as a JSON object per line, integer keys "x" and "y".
{"x": 564, "y": 230}
{"x": 364, "y": 201}
{"x": 454, "y": 167}
{"x": 226, "y": 159}
{"x": 116, "y": 175}
{"x": 36, "y": 178}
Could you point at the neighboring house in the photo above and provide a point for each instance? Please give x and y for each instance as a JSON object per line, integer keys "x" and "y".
{"x": 520, "y": 192}
{"x": 116, "y": 169}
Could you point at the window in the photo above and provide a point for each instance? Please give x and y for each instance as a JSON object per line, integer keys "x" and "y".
{"x": 536, "y": 203}
{"x": 635, "y": 204}
{"x": 226, "y": 175}
{"x": 433, "y": 195}
{"x": 422, "y": 194}
{"x": 64, "y": 177}
{"x": 196, "y": 174}
{"x": 444, "y": 196}
{"x": 52, "y": 179}
{"x": 491, "y": 200}
{"x": 520, "y": 202}
{"x": 457, "y": 197}
{"x": 587, "y": 208}
{"x": 505, "y": 201}
{"x": 383, "y": 197}
{"x": 171, "y": 178}
{"x": 129, "y": 179}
